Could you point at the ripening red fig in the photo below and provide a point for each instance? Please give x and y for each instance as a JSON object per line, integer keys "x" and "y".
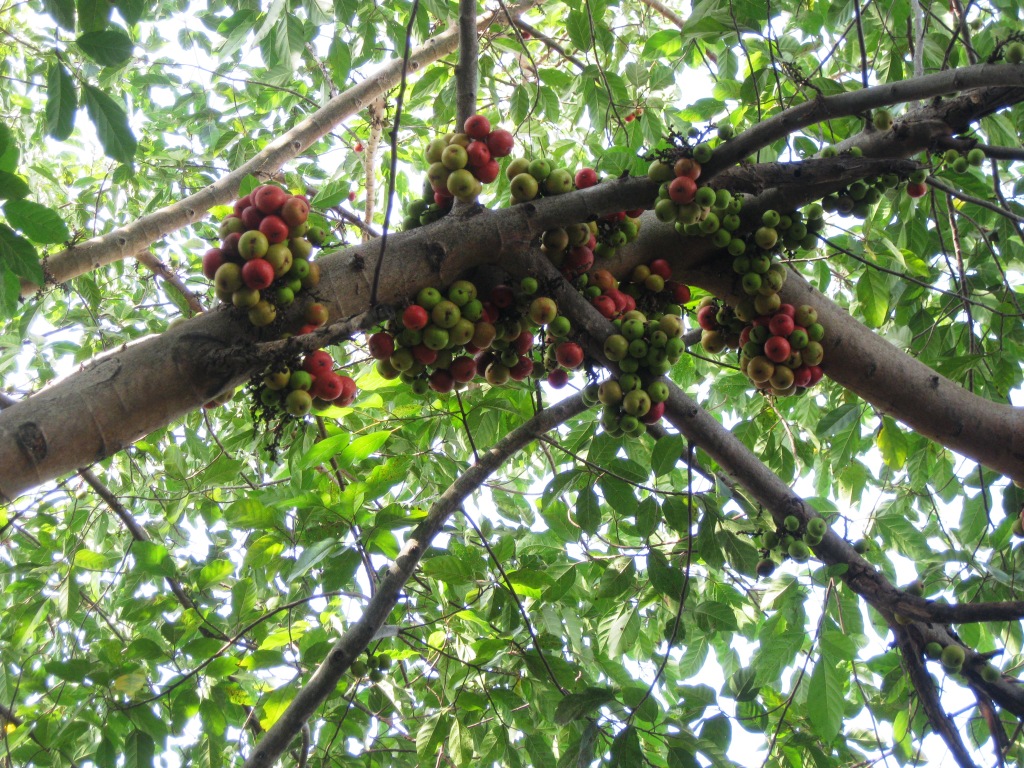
{"x": 477, "y": 127}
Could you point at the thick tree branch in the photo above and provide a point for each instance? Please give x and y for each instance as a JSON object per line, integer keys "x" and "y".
{"x": 967, "y": 613}
{"x": 117, "y": 399}
{"x": 325, "y": 680}
{"x": 908, "y": 390}
{"x": 128, "y": 240}
{"x": 858, "y": 102}
{"x": 161, "y": 379}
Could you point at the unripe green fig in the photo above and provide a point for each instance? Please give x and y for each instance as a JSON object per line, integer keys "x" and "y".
{"x": 799, "y": 551}
{"x": 952, "y": 658}
{"x": 990, "y": 673}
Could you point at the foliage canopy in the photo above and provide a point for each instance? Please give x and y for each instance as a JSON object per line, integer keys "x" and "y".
{"x": 545, "y": 594}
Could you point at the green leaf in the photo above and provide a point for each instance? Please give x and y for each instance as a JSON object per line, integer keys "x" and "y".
{"x": 430, "y": 736}
{"x": 666, "y": 453}
{"x": 665, "y": 579}
{"x": 460, "y": 744}
{"x": 214, "y": 572}
{"x": 332, "y": 193}
{"x": 576, "y": 706}
{"x": 19, "y": 256}
{"x": 12, "y": 187}
{"x": 362, "y": 447}
{"x": 539, "y": 749}
{"x": 131, "y": 10}
{"x": 893, "y": 444}
{"x": 93, "y": 15}
{"x": 625, "y": 751}
{"x": 8, "y": 153}
{"x": 834, "y": 422}
{"x": 662, "y": 44}
{"x": 529, "y": 583}
{"x": 825, "y": 699}
{"x": 324, "y": 450}
{"x": 448, "y": 568}
{"x": 10, "y": 292}
{"x": 648, "y": 515}
{"x": 109, "y": 47}
{"x": 39, "y": 223}
{"x": 152, "y": 558}
{"x": 615, "y": 581}
{"x": 61, "y": 102}
{"x": 718, "y": 731}
{"x": 873, "y": 294}
{"x": 578, "y": 26}
{"x": 622, "y": 632}
{"x": 139, "y": 750}
{"x": 588, "y": 510}
{"x": 62, "y": 11}
{"x": 339, "y": 59}
{"x": 619, "y": 495}
{"x": 111, "y": 123}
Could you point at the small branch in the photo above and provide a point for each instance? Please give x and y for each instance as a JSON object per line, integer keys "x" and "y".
{"x": 929, "y": 696}
{"x": 861, "y": 45}
{"x": 515, "y": 598}
{"x": 138, "y": 533}
{"x": 664, "y": 10}
{"x": 392, "y": 175}
{"x": 351, "y": 218}
{"x": 950, "y": 190}
{"x": 554, "y": 46}
{"x": 917, "y": 44}
{"x": 250, "y": 355}
{"x": 466, "y": 72}
{"x": 376, "y": 110}
{"x": 156, "y": 266}
{"x": 325, "y": 680}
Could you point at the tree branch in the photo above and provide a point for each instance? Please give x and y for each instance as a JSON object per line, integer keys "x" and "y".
{"x": 554, "y": 46}
{"x": 665, "y": 11}
{"x": 156, "y": 266}
{"x": 325, "y": 680}
{"x": 466, "y": 73}
{"x": 981, "y": 76}
{"x": 942, "y": 185}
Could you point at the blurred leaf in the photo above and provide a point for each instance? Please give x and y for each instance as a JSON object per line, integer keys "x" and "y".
{"x": 39, "y": 223}
{"x": 61, "y": 102}
{"x": 111, "y": 124}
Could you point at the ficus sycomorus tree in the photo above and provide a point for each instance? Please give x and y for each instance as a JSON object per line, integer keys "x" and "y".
{"x": 493, "y": 575}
